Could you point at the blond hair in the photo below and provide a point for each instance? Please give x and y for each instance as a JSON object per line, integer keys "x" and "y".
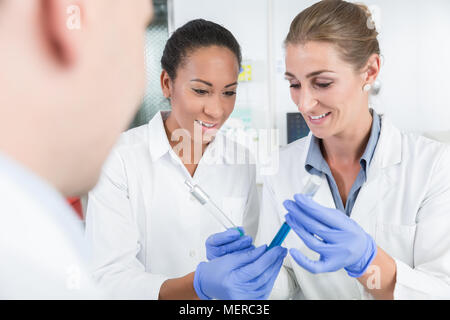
{"x": 347, "y": 25}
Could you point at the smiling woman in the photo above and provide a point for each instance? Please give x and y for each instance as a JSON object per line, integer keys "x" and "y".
{"x": 201, "y": 63}
{"x": 343, "y": 55}
{"x": 146, "y": 230}
{"x": 382, "y": 207}
{"x": 202, "y": 95}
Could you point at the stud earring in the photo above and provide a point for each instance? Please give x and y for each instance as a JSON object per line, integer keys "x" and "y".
{"x": 367, "y": 87}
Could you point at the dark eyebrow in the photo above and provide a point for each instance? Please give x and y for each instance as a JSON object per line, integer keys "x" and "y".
{"x": 312, "y": 74}
{"x": 289, "y": 74}
{"x": 230, "y": 85}
{"x": 210, "y": 84}
{"x": 202, "y": 81}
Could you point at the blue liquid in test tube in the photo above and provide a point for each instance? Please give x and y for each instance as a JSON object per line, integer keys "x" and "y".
{"x": 310, "y": 189}
{"x": 280, "y": 236}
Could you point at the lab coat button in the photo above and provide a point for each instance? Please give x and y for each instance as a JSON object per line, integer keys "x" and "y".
{"x": 192, "y": 253}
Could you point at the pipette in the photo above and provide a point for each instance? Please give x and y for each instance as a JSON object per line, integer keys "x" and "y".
{"x": 310, "y": 189}
{"x": 203, "y": 198}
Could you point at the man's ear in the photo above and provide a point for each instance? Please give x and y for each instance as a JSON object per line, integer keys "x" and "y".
{"x": 62, "y": 26}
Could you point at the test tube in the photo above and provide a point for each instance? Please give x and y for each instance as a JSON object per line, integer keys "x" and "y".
{"x": 203, "y": 198}
{"x": 310, "y": 190}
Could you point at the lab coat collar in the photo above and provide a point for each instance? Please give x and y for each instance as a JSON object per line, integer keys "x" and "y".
{"x": 316, "y": 163}
{"x": 158, "y": 142}
{"x": 388, "y": 152}
{"x": 323, "y": 194}
{"x": 379, "y": 183}
{"x": 219, "y": 149}
{"x": 389, "y": 149}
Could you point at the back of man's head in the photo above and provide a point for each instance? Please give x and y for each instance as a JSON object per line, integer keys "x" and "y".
{"x": 71, "y": 79}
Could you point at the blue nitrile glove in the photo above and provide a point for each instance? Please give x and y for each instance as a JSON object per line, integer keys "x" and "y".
{"x": 220, "y": 244}
{"x": 242, "y": 275}
{"x": 344, "y": 243}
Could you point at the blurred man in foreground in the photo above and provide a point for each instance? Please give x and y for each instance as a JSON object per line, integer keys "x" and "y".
{"x": 72, "y": 76}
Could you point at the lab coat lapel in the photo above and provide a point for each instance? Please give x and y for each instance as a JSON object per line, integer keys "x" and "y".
{"x": 378, "y": 184}
{"x": 368, "y": 200}
{"x": 323, "y": 195}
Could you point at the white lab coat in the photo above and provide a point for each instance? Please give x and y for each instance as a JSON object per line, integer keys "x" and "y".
{"x": 404, "y": 206}
{"x": 42, "y": 250}
{"x": 142, "y": 223}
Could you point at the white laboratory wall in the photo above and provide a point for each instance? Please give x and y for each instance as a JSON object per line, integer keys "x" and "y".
{"x": 415, "y": 43}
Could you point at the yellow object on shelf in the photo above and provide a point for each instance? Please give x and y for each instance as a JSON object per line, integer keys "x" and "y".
{"x": 246, "y": 73}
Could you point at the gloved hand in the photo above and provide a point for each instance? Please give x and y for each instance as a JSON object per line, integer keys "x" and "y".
{"x": 248, "y": 275}
{"x": 220, "y": 244}
{"x": 343, "y": 243}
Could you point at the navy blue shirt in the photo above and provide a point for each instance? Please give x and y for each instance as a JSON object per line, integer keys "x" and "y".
{"x": 316, "y": 164}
